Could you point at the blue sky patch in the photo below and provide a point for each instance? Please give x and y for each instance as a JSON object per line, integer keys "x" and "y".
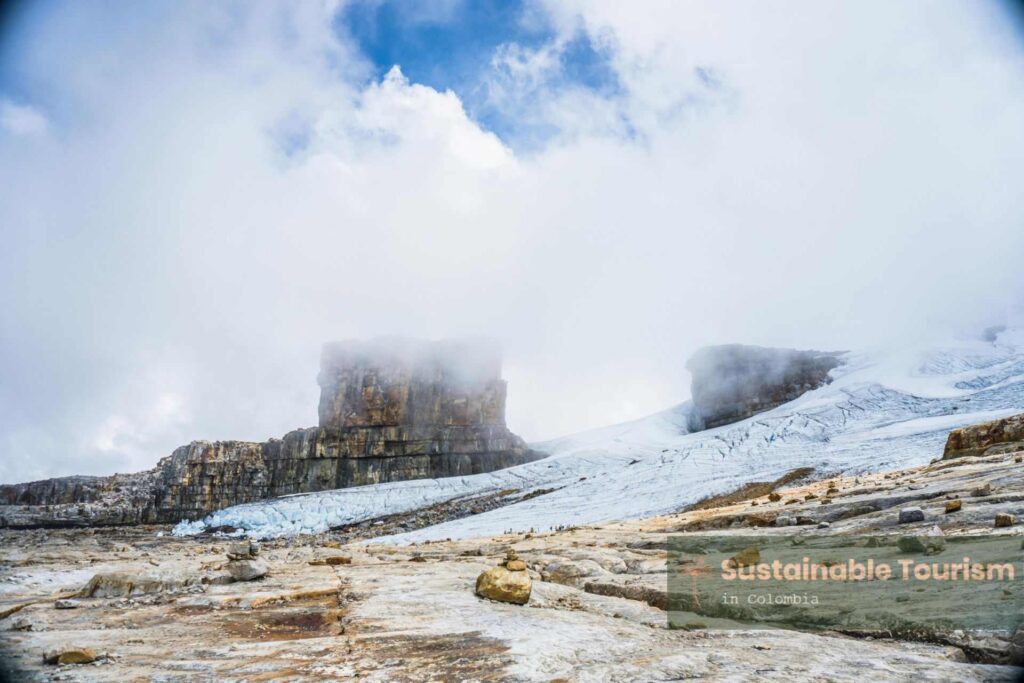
{"x": 450, "y": 45}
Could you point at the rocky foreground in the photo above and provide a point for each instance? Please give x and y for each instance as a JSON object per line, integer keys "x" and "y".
{"x": 130, "y": 604}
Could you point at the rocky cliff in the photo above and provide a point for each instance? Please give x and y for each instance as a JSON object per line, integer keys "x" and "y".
{"x": 988, "y": 438}
{"x": 389, "y": 411}
{"x": 733, "y": 382}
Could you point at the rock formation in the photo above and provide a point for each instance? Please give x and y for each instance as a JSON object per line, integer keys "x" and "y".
{"x": 508, "y": 582}
{"x": 733, "y": 382}
{"x": 389, "y": 411}
{"x": 988, "y": 438}
{"x": 244, "y": 563}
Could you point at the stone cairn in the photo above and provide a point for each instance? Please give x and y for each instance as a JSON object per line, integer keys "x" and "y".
{"x": 508, "y": 582}
{"x": 244, "y": 563}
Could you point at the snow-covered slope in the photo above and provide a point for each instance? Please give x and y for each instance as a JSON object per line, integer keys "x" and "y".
{"x": 884, "y": 410}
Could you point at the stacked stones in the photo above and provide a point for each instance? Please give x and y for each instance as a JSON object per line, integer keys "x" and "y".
{"x": 243, "y": 563}
{"x": 508, "y": 582}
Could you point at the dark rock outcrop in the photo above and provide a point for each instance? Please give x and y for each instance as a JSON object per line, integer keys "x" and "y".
{"x": 988, "y": 438}
{"x": 389, "y": 411}
{"x": 733, "y": 382}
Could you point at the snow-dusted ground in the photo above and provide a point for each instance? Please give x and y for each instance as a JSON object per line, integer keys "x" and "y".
{"x": 884, "y": 410}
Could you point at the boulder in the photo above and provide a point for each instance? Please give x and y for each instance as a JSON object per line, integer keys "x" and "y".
{"x": 247, "y": 570}
{"x": 568, "y": 572}
{"x": 505, "y": 585}
{"x": 70, "y": 655}
{"x": 1004, "y": 519}
{"x": 911, "y": 514}
{"x": 953, "y": 505}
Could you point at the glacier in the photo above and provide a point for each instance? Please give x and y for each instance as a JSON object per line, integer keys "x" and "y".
{"x": 884, "y": 409}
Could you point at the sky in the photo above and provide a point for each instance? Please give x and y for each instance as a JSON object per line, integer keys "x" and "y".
{"x": 195, "y": 196}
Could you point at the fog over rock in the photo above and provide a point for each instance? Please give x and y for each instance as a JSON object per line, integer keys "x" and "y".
{"x": 390, "y": 410}
{"x": 733, "y": 381}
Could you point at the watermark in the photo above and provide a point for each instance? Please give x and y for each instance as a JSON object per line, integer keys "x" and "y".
{"x": 912, "y": 585}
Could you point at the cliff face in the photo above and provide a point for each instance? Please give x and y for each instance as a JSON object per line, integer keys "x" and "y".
{"x": 400, "y": 383}
{"x": 388, "y": 411}
{"x": 988, "y": 438}
{"x": 733, "y": 382}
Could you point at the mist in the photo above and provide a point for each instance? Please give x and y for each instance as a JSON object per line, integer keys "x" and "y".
{"x": 195, "y": 198}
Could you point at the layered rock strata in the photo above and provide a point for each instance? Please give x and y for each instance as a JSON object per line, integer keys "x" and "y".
{"x": 733, "y": 382}
{"x": 988, "y": 438}
{"x": 389, "y": 411}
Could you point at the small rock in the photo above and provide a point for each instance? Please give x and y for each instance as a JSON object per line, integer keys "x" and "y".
{"x": 760, "y": 520}
{"x": 219, "y": 579}
{"x": 911, "y": 544}
{"x": 243, "y": 551}
{"x": 247, "y": 570}
{"x": 953, "y": 505}
{"x": 21, "y": 624}
{"x": 746, "y": 557}
{"x": 70, "y": 655}
{"x": 67, "y": 604}
{"x": 1004, "y": 519}
{"x": 783, "y": 520}
{"x": 337, "y": 559}
{"x": 982, "y": 491}
{"x": 774, "y": 497}
{"x": 1017, "y": 647}
{"x": 515, "y": 566}
{"x": 823, "y": 525}
{"x": 908, "y": 515}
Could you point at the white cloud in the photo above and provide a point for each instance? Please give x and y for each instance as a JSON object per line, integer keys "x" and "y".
{"x": 850, "y": 179}
{"x": 21, "y": 119}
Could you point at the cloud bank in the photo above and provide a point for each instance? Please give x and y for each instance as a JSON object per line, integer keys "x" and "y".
{"x": 194, "y": 198}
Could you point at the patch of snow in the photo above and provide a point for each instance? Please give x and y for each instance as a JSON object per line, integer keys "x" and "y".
{"x": 884, "y": 410}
